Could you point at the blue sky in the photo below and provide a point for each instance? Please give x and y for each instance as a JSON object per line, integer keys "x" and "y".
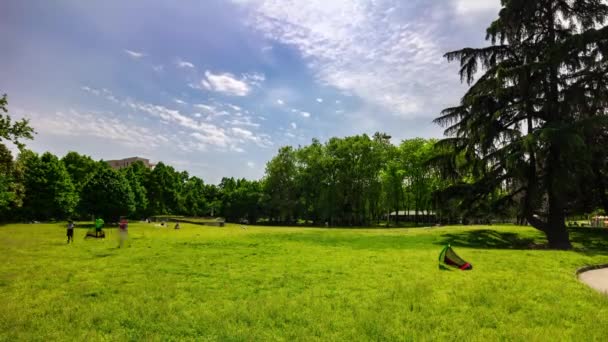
{"x": 216, "y": 87}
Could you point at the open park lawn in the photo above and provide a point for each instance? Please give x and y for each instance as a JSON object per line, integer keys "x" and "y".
{"x": 228, "y": 284}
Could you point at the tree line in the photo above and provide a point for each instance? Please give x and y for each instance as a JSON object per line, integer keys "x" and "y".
{"x": 347, "y": 181}
{"x": 351, "y": 181}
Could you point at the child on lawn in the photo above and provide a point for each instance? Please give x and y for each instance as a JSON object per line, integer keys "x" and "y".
{"x": 123, "y": 231}
{"x": 70, "y": 231}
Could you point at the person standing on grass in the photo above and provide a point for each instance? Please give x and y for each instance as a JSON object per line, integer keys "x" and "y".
{"x": 70, "y": 231}
{"x": 98, "y": 225}
{"x": 123, "y": 229}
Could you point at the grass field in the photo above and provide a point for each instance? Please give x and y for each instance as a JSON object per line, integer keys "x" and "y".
{"x": 228, "y": 284}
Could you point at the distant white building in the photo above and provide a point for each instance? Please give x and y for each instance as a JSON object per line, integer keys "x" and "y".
{"x": 122, "y": 163}
{"x": 410, "y": 215}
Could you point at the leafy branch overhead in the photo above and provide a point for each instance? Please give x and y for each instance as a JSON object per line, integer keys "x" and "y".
{"x": 13, "y": 131}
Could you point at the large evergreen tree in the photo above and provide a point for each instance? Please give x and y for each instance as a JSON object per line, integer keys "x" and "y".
{"x": 523, "y": 127}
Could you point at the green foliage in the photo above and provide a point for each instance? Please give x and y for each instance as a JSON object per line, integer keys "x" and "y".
{"x": 11, "y": 185}
{"x": 108, "y": 194}
{"x": 136, "y": 175}
{"x": 350, "y": 181}
{"x": 281, "y": 185}
{"x": 49, "y": 192}
{"x": 164, "y": 186}
{"x": 267, "y": 284}
{"x": 195, "y": 203}
{"x": 12, "y": 131}
{"x": 528, "y": 128}
{"x": 81, "y": 168}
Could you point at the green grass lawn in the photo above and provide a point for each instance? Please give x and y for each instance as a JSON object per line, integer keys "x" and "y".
{"x": 228, "y": 284}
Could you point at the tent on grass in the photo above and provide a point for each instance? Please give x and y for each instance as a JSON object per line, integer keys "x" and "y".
{"x": 449, "y": 258}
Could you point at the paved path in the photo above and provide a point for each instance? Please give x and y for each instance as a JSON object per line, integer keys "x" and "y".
{"x": 597, "y": 279}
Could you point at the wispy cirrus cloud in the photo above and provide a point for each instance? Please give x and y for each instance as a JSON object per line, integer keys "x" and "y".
{"x": 225, "y": 83}
{"x": 466, "y": 7}
{"x": 243, "y": 121}
{"x": 180, "y": 102}
{"x": 362, "y": 47}
{"x": 247, "y": 136}
{"x": 184, "y": 64}
{"x": 106, "y": 125}
{"x": 134, "y": 54}
{"x": 204, "y": 133}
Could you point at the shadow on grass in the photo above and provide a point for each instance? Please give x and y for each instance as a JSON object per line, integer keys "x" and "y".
{"x": 489, "y": 239}
{"x": 592, "y": 241}
{"x": 349, "y": 240}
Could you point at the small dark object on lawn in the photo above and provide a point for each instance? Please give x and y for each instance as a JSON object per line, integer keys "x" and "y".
{"x": 95, "y": 235}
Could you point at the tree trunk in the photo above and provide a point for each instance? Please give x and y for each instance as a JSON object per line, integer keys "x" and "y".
{"x": 557, "y": 233}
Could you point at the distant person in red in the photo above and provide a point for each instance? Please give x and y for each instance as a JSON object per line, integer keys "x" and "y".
{"x": 70, "y": 231}
{"x": 123, "y": 229}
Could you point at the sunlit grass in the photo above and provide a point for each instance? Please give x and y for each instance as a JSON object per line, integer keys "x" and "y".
{"x": 203, "y": 283}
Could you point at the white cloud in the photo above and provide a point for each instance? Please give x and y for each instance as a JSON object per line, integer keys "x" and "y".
{"x": 466, "y": 7}
{"x": 225, "y": 83}
{"x": 158, "y": 68}
{"x": 184, "y": 64}
{"x": 320, "y": 100}
{"x": 134, "y": 54}
{"x": 254, "y": 78}
{"x": 205, "y": 107}
{"x": 245, "y": 136}
{"x": 91, "y": 90}
{"x": 235, "y": 108}
{"x": 244, "y": 121}
{"x": 280, "y": 102}
{"x": 305, "y": 114}
{"x": 338, "y": 101}
{"x": 181, "y": 102}
{"x": 250, "y": 164}
{"x": 106, "y": 126}
{"x": 101, "y": 92}
{"x": 293, "y": 125}
{"x": 365, "y": 48}
{"x": 203, "y": 133}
